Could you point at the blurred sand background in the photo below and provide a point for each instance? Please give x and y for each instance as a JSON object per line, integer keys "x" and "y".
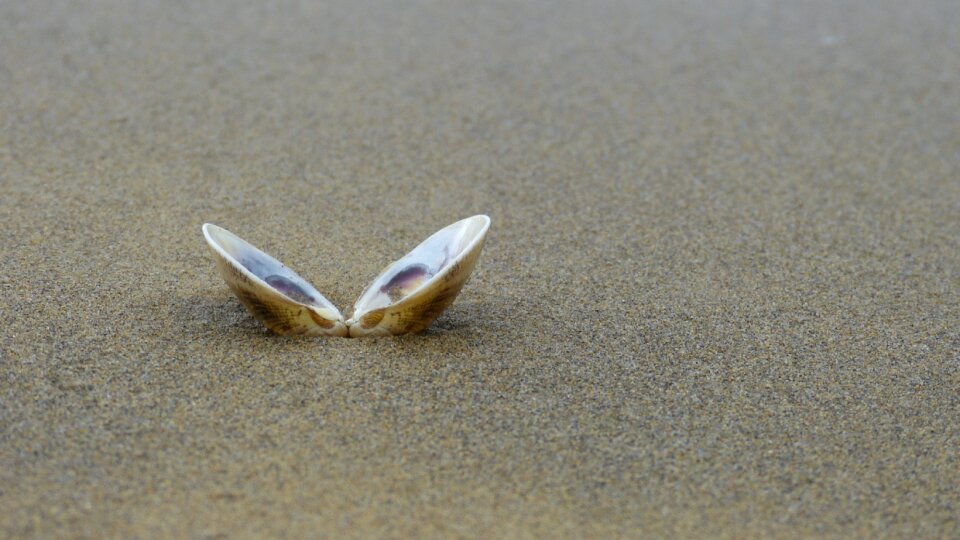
{"x": 720, "y": 295}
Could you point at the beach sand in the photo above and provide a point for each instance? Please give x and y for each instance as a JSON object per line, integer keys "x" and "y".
{"x": 720, "y": 295}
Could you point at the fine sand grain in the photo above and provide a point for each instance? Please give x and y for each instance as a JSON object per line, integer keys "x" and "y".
{"x": 720, "y": 296}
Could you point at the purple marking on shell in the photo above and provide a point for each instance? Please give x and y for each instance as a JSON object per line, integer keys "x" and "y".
{"x": 406, "y": 280}
{"x": 290, "y": 288}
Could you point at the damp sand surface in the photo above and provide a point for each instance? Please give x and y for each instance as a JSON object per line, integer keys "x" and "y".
{"x": 720, "y": 295}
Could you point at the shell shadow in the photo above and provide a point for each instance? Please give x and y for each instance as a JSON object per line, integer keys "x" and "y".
{"x": 220, "y": 314}
{"x": 216, "y": 315}
{"x": 465, "y": 318}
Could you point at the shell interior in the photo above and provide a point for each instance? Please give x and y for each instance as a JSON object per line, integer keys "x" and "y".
{"x": 425, "y": 263}
{"x": 271, "y": 272}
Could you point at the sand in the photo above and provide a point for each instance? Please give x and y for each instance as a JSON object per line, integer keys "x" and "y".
{"x": 720, "y": 296}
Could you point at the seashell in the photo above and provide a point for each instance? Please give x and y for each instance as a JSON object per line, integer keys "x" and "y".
{"x": 279, "y": 298}
{"x": 414, "y": 290}
{"x": 405, "y": 298}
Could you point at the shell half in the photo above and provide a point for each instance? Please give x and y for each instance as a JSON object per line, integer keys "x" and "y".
{"x": 414, "y": 290}
{"x": 279, "y": 298}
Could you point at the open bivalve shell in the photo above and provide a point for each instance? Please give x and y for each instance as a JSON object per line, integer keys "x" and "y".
{"x": 406, "y": 297}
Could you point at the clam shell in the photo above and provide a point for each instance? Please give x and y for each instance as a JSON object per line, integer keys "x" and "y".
{"x": 414, "y": 290}
{"x": 279, "y": 298}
